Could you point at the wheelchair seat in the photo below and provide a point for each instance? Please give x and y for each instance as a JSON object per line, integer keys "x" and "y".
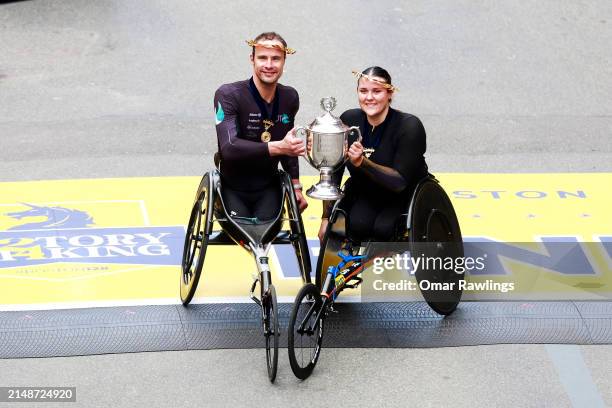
{"x": 244, "y": 231}
{"x": 209, "y": 208}
{"x": 251, "y": 230}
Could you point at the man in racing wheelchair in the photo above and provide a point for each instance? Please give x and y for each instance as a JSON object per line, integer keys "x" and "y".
{"x": 247, "y": 195}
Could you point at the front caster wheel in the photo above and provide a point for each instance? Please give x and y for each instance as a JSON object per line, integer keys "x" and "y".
{"x": 305, "y": 332}
{"x": 271, "y": 332}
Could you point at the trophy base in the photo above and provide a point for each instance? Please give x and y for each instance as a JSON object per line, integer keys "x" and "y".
{"x": 325, "y": 191}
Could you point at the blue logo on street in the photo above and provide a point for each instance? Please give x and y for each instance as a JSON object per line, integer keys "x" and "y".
{"x": 57, "y": 217}
{"x": 65, "y": 236}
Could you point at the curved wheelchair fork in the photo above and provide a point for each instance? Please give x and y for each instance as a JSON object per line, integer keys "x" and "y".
{"x": 260, "y": 253}
{"x": 268, "y": 305}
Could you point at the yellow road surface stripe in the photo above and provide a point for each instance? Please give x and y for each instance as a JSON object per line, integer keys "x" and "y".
{"x": 504, "y": 207}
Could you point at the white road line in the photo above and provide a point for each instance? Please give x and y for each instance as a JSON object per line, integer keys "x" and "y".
{"x": 575, "y": 375}
{"x": 145, "y": 214}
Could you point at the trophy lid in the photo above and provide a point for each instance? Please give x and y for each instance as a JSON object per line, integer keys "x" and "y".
{"x": 327, "y": 123}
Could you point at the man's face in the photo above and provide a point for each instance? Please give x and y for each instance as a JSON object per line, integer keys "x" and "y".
{"x": 268, "y": 63}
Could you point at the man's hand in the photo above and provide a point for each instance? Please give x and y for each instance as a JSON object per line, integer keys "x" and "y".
{"x": 302, "y": 203}
{"x": 322, "y": 229}
{"x": 355, "y": 154}
{"x": 289, "y": 146}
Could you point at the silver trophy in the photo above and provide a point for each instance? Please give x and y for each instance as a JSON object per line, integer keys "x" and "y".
{"x": 327, "y": 147}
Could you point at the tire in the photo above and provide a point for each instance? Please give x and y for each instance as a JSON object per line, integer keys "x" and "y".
{"x": 436, "y": 233}
{"x": 194, "y": 250}
{"x": 271, "y": 332}
{"x": 304, "y": 348}
{"x": 443, "y": 302}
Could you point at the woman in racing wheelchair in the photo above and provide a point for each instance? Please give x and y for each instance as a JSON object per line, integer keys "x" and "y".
{"x": 390, "y": 195}
{"x": 386, "y": 166}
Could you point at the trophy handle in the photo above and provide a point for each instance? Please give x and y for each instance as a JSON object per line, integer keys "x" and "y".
{"x": 359, "y": 139}
{"x": 301, "y": 132}
{"x": 356, "y": 128}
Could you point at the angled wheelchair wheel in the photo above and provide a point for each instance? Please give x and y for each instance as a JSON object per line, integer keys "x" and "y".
{"x": 196, "y": 241}
{"x": 435, "y": 233}
{"x": 305, "y": 331}
{"x": 271, "y": 332}
{"x": 299, "y": 242}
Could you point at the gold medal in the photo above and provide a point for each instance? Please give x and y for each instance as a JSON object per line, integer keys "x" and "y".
{"x": 266, "y": 136}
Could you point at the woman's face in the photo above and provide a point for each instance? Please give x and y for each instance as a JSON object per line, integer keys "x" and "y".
{"x": 373, "y": 97}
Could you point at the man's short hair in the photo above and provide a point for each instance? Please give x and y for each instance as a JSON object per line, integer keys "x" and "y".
{"x": 270, "y": 35}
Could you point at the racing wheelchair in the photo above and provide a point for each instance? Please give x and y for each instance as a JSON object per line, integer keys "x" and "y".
{"x": 429, "y": 226}
{"x": 254, "y": 236}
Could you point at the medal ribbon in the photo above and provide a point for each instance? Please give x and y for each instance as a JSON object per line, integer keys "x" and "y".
{"x": 262, "y": 104}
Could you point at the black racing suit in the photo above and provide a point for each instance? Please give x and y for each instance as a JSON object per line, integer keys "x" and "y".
{"x": 248, "y": 172}
{"x": 380, "y": 189}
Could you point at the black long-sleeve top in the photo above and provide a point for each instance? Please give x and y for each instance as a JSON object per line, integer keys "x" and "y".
{"x": 397, "y": 164}
{"x": 246, "y": 164}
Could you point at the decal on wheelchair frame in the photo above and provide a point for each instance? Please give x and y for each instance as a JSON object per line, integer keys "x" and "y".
{"x": 50, "y": 234}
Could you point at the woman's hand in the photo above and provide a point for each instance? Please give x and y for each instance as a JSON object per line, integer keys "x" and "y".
{"x": 355, "y": 154}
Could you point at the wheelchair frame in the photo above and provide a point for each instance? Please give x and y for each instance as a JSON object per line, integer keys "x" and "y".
{"x": 208, "y": 208}
{"x": 430, "y": 218}
{"x": 429, "y": 204}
